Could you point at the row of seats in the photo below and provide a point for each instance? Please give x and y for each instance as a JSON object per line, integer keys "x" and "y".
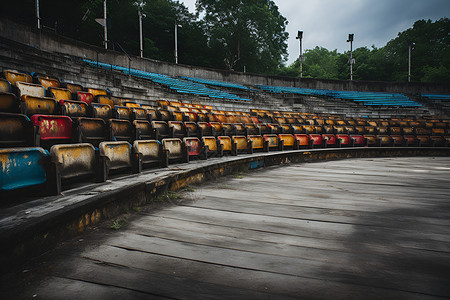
{"x": 64, "y": 132}
{"x": 366, "y": 98}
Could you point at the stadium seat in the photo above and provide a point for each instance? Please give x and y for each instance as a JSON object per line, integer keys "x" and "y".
{"x": 59, "y": 93}
{"x": 344, "y": 140}
{"x": 288, "y": 140}
{"x": 73, "y": 161}
{"x": 252, "y": 129}
{"x": 358, "y": 140}
{"x": 115, "y": 157}
{"x": 176, "y": 149}
{"x": 74, "y": 109}
{"x": 372, "y": 140}
{"x": 30, "y": 89}
{"x": 72, "y": 87}
{"x": 86, "y": 97}
{"x": 16, "y": 130}
{"x": 177, "y": 129}
{"x": 102, "y": 111}
{"x": 46, "y": 81}
{"x": 143, "y": 130}
{"x": 227, "y": 145}
{"x": 316, "y": 140}
{"x": 164, "y": 115}
{"x": 5, "y": 86}
{"x": 120, "y": 130}
{"x": 303, "y": 141}
{"x": 206, "y": 129}
{"x": 14, "y": 76}
{"x": 329, "y": 140}
{"x": 9, "y": 102}
{"x": 97, "y": 92}
{"x": 213, "y": 147}
{"x": 258, "y": 143}
{"x": 23, "y": 167}
{"x": 150, "y": 153}
{"x": 123, "y": 113}
{"x": 52, "y": 130}
{"x": 161, "y": 130}
{"x": 91, "y": 130}
{"x": 31, "y": 105}
{"x": 195, "y": 148}
{"x": 218, "y": 129}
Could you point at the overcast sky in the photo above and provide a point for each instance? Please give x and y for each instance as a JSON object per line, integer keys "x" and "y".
{"x": 327, "y": 23}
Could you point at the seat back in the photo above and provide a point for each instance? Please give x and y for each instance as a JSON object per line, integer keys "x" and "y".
{"x": 218, "y": 128}
{"x": 143, "y": 130}
{"x": 175, "y": 148}
{"x": 207, "y": 129}
{"x": 139, "y": 113}
{"x": 85, "y": 97}
{"x": 104, "y": 99}
{"x": 241, "y": 142}
{"x": 8, "y": 102}
{"x": 30, "y": 89}
{"x": 177, "y": 128}
{"x": 47, "y": 81}
{"x": 97, "y": 92}
{"x": 193, "y": 145}
{"x": 102, "y": 111}
{"x": 226, "y": 143}
{"x": 123, "y": 113}
{"x": 60, "y": 93}
{"x": 252, "y": 129}
{"x": 22, "y": 167}
{"x": 288, "y": 140}
{"x": 192, "y": 129}
{"x": 13, "y": 77}
{"x": 72, "y": 87}
{"x": 116, "y": 155}
{"x": 161, "y": 129}
{"x": 73, "y": 160}
{"x": 74, "y": 109}
{"x": 5, "y": 86}
{"x": 211, "y": 142}
{"x": 257, "y": 141}
{"x": 302, "y": 140}
{"x": 121, "y": 130}
{"x": 16, "y": 130}
{"x": 150, "y": 151}
{"x": 91, "y": 130}
{"x": 272, "y": 140}
{"x": 57, "y": 128}
{"x": 39, "y": 105}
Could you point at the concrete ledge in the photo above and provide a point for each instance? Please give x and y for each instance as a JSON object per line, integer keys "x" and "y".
{"x": 34, "y": 227}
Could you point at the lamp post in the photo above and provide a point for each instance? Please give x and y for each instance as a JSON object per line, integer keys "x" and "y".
{"x": 351, "y": 61}
{"x": 410, "y": 49}
{"x": 38, "y": 16}
{"x": 140, "y": 5}
{"x": 176, "y": 41}
{"x": 300, "y": 59}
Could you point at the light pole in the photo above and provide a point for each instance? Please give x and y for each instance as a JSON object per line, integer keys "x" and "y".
{"x": 300, "y": 59}
{"x": 351, "y": 61}
{"x": 176, "y": 41}
{"x": 105, "y": 27}
{"x": 140, "y": 5}
{"x": 410, "y": 49}
{"x": 38, "y": 16}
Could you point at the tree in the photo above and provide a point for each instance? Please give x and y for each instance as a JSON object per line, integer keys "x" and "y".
{"x": 247, "y": 33}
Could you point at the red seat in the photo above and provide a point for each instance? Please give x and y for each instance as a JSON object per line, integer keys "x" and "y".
{"x": 52, "y": 129}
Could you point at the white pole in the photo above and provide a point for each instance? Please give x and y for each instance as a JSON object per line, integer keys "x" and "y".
{"x": 409, "y": 63}
{"x": 176, "y": 43}
{"x": 106, "y": 26}
{"x": 38, "y": 15}
{"x": 141, "y": 46}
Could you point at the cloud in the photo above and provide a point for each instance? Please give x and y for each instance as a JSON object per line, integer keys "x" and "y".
{"x": 327, "y": 23}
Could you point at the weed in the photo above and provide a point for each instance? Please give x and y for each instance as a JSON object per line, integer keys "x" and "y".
{"x": 118, "y": 223}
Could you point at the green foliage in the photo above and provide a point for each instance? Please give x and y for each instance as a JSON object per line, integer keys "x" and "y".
{"x": 430, "y": 58}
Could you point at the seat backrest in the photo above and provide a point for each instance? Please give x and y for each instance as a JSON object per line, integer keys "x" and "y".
{"x": 97, "y": 92}
{"x": 16, "y": 130}
{"x": 206, "y": 128}
{"x": 92, "y": 130}
{"x": 8, "y": 102}
{"x": 288, "y": 139}
{"x": 174, "y": 146}
{"x": 241, "y": 142}
{"x": 143, "y": 130}
{"x": 149, "y": 149}
{"x": 60, "y": 93}
{"x": 85, "y": 97}
{"x": 102, "y": 111}
{"x": 53, "y": 127}
{"x": 211, "y": 142}
{"x": 22, "y": 167}
{"x": 162, "y": 128}
{"x": 72, "y": 87}
{"x": 193, "y": 146}
{"x": 47, "y": 81}
{"x": 39, "y": 105}
{"x": 121, "y": 130}
{"x": 272, "y": 139}
{"x": 74, "y": 109}
{"x": 303, "y": 139}
{"x": 257, "y": 140}
{"x": 139, "y": 113}
{"x": 74, "y": 160}
{"x": 30, "y": 89}
{"x": 164, "y": 115}
{"x": 123, "y": 113}
{"x": 226, "y": 142}
{"x": 104, "y": 99}
{"x": 118, "y": 154}
{"x": 5, "y": 86}
{"x": 13, "y": 77}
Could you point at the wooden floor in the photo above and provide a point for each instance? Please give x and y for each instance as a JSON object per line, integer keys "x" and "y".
{"x": 350, "y": 229}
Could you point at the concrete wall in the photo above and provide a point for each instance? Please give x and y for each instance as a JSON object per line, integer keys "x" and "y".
{"x": 54, "y": 43}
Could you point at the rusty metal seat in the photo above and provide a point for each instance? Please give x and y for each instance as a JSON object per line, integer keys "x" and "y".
{"x": 177, "y": 150}
{"x": 150, "y": 153}
{"x": 289, "y": 142}
{"x": 213, "y": 147}
{"x": 23, "y": 167}
{"x": 102, "y": 111}
{"x": 31, "y": 105}
{"x": 51, "y": 130}
{"x": 116, "y": 157}
{"x": 121, "y": 130}
{"x": 91, "y": 130}
{"x": 74, "y": 109}
{"x": 16, "y": 130}
{"x": 257, "y": 143}
{"x": 195, "y": 148}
